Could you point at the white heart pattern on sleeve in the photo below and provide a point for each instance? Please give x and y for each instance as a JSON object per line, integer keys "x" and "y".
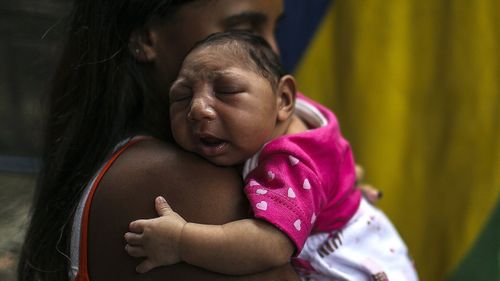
{"x": 261, "y": 205}
{"x": 297, "y": 224}
{"x": 293, "y": 160}
{"x": 261, "y": 191}
{"x": 306, "y": 184}
{"x": 253, "y": 183}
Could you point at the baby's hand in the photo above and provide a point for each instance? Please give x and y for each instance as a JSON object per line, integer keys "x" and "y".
{"x": 156, "y": 239}
{"x": 372, "y": 194}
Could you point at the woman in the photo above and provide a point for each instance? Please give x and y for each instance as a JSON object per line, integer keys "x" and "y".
{"x": 112, "y": 83}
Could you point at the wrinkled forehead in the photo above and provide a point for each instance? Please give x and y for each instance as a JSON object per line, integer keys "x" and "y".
{"x": 215, "y": 59}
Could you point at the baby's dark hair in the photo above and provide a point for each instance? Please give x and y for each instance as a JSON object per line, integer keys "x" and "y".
{"x": 255, "y": 48}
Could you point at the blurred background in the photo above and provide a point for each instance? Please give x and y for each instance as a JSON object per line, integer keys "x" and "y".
{"x": 416, "y": 87}
{"x": 29, "y": 33}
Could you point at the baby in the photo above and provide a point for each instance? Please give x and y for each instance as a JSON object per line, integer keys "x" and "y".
{"x": 233, "y": 104}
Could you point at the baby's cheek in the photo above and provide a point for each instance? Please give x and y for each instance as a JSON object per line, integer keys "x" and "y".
{"x": 259, "y": 137}
{"x": 179, "y": 132}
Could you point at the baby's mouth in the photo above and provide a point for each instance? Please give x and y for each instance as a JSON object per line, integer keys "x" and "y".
{"x": 211, "y": 146}
{"x": 211, "y": 141}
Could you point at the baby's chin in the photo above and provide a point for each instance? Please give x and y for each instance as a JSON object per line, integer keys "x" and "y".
{"x": 226, "y": 162}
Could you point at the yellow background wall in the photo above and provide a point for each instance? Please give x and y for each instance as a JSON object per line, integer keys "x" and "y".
{"x": 416, "y": 87}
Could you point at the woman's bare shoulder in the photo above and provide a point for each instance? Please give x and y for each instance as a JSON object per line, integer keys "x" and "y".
{"x": 190, "y": 183}
{"x": 195, "y": 188}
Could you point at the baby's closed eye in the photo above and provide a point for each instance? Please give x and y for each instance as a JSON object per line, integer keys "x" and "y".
{"x": 180, "y": 94}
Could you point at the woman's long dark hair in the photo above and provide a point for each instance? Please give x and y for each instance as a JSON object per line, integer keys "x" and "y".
{"x": 96, "y": 99}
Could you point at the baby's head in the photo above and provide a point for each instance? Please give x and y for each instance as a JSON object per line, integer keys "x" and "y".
{"x": 231, "y": 97}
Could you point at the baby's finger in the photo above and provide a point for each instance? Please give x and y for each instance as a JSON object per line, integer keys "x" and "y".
{"x": 162, "y": 207}
{"x": 145, "y": 266}
{"x": 360, "y": 174}
{"x": 133, "y": 239}
{"x": 136, "y": 226}
{"x": 135, "y": 251}
{"x": 371, "y": 194}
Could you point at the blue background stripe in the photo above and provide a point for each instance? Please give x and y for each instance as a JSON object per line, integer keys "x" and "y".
{"x": 297, "y": 28}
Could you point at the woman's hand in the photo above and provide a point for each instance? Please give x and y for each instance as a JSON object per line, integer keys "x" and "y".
{"x": 156, "y": 239}
{"x": 371, "y": 194}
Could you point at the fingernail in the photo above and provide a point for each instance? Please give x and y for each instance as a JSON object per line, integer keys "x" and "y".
{"x": 160, "y": 199}
{"x": 380, "y": 194}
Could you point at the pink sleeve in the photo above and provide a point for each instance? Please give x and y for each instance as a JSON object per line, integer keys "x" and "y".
{"x": 284, "y": 191}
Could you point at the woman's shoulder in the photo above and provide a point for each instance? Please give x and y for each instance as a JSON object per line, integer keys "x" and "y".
{"x": 153, "y": 154}
{"x": 144, "y": 170}
{"x": 198, "y": 190}
{"x": 152, "y": 167}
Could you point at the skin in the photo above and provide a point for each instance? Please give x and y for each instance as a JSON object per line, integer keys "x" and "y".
{"x": 213, "y": 196}
{"x": 151, "y": 168}
{"x": 225, "y": 112}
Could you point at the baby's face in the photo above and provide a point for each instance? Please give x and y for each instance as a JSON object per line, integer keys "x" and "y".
{"x": 221, "y": 109}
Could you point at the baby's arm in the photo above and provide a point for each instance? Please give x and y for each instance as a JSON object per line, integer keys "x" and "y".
{"x": 240, "y": 247}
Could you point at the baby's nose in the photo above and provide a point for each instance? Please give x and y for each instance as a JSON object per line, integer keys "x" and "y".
{"x": 201, "y": 110}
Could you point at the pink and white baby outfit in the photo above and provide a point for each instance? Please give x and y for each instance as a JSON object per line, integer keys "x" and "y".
{"x": 304, "y": 184}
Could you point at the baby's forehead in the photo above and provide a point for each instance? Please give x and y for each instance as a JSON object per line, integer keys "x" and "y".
{"x": 219, "y": 57}
{"x": 227, "y": 53}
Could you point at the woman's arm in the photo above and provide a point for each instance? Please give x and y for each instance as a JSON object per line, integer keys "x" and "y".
{"x": 197, "y": 190}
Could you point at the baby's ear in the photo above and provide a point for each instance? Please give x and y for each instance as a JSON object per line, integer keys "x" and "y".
{"x": 286, "y": 97}
{"x": 142, "y": 44}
